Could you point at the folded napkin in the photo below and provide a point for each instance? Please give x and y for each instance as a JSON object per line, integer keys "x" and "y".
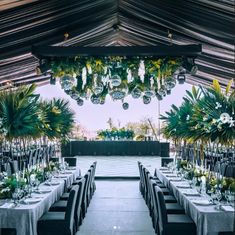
{"x": 203, "y": 202}
{"x": 166, "y": 172}
{"x": 61, "y": 176}
{"x": 66, "y": 172}
{"x": 172, "y": 176}
{"x": 228, "y": 208}
{"x": 72, "y": 168}
{"x": 183, "y": 186}
{"x": 175, "y": 179}
{"x": 192, "y": 194}
{"x": 8, "y": 205}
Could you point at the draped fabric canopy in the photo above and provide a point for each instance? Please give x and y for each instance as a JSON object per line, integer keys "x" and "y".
{"x": 116, "y": 23}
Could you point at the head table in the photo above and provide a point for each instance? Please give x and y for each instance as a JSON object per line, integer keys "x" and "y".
{"x": 24, "y": 216}
{"x": 208, "y": 219}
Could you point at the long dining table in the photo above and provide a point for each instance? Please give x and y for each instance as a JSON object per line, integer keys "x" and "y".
{"x": 208, "y": 218}
{"x": 25, "y": 215}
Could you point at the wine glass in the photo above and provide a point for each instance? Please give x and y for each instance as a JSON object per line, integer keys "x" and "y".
{"x": 219, "y": 197}
{"x": 15, "y": 196}
{"x": 37, "y": 183}
{"x": 48, "y": 176}
{"x": 231, "y": 198}
{"x": 226, "y": 195}
{"x": 213, "y": 197}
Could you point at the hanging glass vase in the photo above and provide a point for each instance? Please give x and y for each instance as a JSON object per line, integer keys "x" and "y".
{"x": 116, "y": 70}
{"x": 149, "y": 92}
{"x": 98, "y": 86}
{"x": 115, "y": 80}
{"x": 74, "y": 95}
{"x": 95, "y": 99}
{"x": 146, "y": 99}
{"x": 162, "y": 91}
{"x": 136, "y": 92}
{"x": 67, "y": 82}
{"x": 159, "y": 97}
{"x": 170, "y": 83}
{"x": 119, "y": 92}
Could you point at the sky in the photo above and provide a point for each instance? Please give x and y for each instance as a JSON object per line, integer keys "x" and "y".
{"x": 95, "y": 117}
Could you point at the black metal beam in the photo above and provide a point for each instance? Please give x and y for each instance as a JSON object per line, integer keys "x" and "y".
{"x": 158, "y": 51}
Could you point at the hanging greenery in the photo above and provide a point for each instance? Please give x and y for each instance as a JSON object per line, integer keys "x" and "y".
{"x": 96, "y": 77}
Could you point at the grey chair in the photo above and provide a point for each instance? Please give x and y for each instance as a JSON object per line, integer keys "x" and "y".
{"x": 171, "y": 207}
{"x": 72, "y": 161}
{"x": 61, "y": 205}
{"x": 93, "y": 185}
{"x": 59, "y": 223}
{"x": 8, "y": 231}
{"x": 177, "y": 224}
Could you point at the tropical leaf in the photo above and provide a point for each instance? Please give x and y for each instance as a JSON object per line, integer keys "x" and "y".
{"x": 19, "y": 113}
{"x": 59, "y": 118}
{"x": 228, "y": 88}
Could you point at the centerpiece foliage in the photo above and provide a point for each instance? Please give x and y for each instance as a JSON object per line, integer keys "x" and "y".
{"x": 116, "y": 134}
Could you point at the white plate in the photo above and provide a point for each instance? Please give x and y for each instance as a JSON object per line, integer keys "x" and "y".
{"x": 52, "y": 183}
{"x": 183, "y": 186}
{"x": 29, "y": 201}
{"x": 201, "y": 202}
{"x": 42, "y": 191}
{"x": 175, "y": 179}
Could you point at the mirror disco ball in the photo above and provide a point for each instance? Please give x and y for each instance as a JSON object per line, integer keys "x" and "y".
{"x": 125, "y": 106}
{"x": 80, "y": 102}
{"x": 146, "y": 99}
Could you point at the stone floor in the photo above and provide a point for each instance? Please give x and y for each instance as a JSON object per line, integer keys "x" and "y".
{"x": 117, "y": 208}
{"x": 118, "y": 165}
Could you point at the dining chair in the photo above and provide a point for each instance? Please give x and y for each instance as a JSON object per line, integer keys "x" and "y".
{"x": 59, "y": 223}
{"x": 61, "y": 205}
{"x": 8, "y": 231}
{"x": 168, "y": 224}
{"x": 72, "y": 161}
{"x": 226, "y": 233}
{"x": 141, "y": 178}
{"x": 93, "y": 185}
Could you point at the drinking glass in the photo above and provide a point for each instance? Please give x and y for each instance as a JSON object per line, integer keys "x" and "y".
{"x": 37, "y": 183}
{"x": 218, "y": 198}
{"x": 15, "y": 196}
{"x": 231, "y": 198}
{"x": 226, "y": 195}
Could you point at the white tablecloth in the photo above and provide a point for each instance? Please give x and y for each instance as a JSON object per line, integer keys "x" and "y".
{"x": 24, "y": 217}
{"x": 209, "y": 221}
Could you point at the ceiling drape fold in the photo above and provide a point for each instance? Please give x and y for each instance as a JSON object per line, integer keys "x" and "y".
{"x": 90, "y": 23}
